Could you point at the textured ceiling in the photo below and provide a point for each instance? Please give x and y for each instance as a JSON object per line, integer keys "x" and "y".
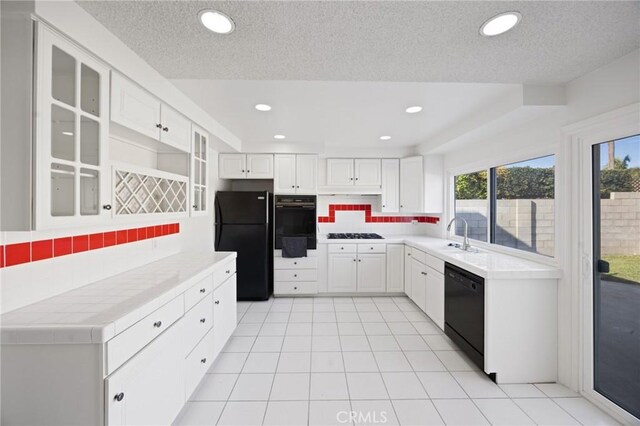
{"x": 375, "y": 41}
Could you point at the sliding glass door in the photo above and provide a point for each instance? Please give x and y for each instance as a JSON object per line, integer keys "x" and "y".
{"x": 616, "y": 291}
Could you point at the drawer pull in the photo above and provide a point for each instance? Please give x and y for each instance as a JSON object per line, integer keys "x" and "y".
{"x": 203, "y": 360}
{"x": 341, "y": 248}
{"x": 295, "y": 288}
{"x": 295, "y": 275}
{"x": 371, "y": 248}
{"x": 295, "y": 263}
{"x": 228, "y": 271}
{"x": 423, "y": 273}
{"x": 157, "y": 324}
{"x": 217, "y": 302}
{"x": 203, "y": 320}
{"x": 202, "y": 290}
{"x": 119, "y": 397}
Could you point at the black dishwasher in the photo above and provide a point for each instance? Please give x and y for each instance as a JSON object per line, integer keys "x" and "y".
{"x": 464, "y": 311}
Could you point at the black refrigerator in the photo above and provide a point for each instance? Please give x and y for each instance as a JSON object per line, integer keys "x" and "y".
{"x": 244, "y": 225}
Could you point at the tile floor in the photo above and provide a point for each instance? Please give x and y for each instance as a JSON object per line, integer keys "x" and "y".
{"x": 365, "y": 360}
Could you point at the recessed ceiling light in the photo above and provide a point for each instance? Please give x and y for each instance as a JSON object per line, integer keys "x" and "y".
{"x": 263, "y": 107}
{"x": 67, "y": 133}
{"x": 385, "y": 138}
{"x": 500, "y": 24}
{"x": 216, "y": 21}
{"x": 278, "y": 137}
{"x": 414, "y": 109}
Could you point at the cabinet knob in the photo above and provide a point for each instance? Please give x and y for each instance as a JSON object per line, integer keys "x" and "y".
{"x": 165, "y": 129}
{"x": 384, "y": 205}
{"x": 202, "y": 290}
{"x": 119, "y": 397}
{"x": 293, "y": 186}
{"x": 157, "y": 324}
{"x": 242, "y": 171}
{"x": 159, "y": 126}
{"x": 217, "y": 302}
{"x": 195, "y": 206}
{"x": 341, "y": 248}
{"x": 203, "y": 360}
{"x": 203, "y": 320}
{"x": 356, "y": 178}
{"x": 354, "y": 260}
{"x": 295, "y": 263}
{"x": 298, "y": 186}
{"x": 423, "y": 273}
{"x": 408, "y": 254}
{"x": 228, "y": 271}
{"x": 295, "y": 288}
{"x": 106, "y": 206}
{"x": 248, "y": 171}
{"x": 359, "y": 260}
{"x": 350, "y": 178}
{"x": 295, "y": 275}
{"x": 371, "y": 248}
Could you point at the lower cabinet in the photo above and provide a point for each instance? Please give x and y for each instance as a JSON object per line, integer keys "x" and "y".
{"x": 198, "y": 362}
{"x": 418, "y": 284}
{"x": 371, "y": 273}
{"x": 343, "y": 272}
{"x": 407, "y": 271}
{"x": 395, "y": 268}
{"x": 224, "y": 313}
{"x": 357, "y": 272}
{"x": 435, "y": 297}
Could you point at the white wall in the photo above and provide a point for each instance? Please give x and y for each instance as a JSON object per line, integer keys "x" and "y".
{"x": 613, "y": 86}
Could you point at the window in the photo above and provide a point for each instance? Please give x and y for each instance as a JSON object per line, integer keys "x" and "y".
{"x": 511, "y": 205}
{"x": 471, "y": 204}
{"x": 524, "y": 205}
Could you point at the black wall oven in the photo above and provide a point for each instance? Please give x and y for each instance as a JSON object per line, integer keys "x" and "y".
{"x": 295, "y": 216}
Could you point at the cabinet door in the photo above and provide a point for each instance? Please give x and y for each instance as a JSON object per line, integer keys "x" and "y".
{"x": 372, "y": 272}
{"x": 395, "y": 268}
{"x": 199, "y": 171}
{"x": 306, "y": 174}
{"x": 342, "y": 272}
{"x": 176, "y": 128}
{"x": 224, "y": 313}
{"x": 411, "y": 185}
{"x": 149, "y": 388}
{"x": 407, "y": 271}
{"x": 368, "y": 172}
{"x": 72, "y": 179}
{"x": 390, "y": 185}
{"x": 284, "y": 174}
{"x": 259, "y": 166}
{"x": 134, "y": 108}
{"x": 232, "y": 166}
{"x": 418, "y": 284}
{"x": 435, "y": 297}
{"x": 339, "y": 172}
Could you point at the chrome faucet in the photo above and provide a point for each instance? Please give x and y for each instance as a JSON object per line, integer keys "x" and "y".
{"x": 465, "y": 244}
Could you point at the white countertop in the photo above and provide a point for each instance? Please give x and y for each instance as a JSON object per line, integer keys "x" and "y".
{"x": 485, "y": 263}
{"x": 96, "y": 312}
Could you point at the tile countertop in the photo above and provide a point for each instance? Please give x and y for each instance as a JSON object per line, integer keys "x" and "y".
{"x": 485, "y": 263}
{"x": 96, "y": 312}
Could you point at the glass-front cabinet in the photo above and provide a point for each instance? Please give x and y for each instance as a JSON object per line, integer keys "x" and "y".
{"x": 71, "y": 174}
{"x": 199, "y": 171}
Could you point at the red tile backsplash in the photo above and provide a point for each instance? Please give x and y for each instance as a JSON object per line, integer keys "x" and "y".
{"x": 369, "y": 218}
{"x": 18, "y": 253}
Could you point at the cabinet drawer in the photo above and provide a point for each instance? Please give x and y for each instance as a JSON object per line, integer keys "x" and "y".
{"x": 297, "y": 275}
{"x": 224, "y": 272}
{"x": 342, "y": 248}
{"x": 126, "y": 344}
{"x": 198, "y": 362}
{"x": 372, "y": 248}
{"x": 434, "y": 262}
{"x": 197, "y": 322}
{"x": 296, "y": 263}
{"x": 291, "y": 288}
{"x": 197, "y": 292}
{"x": 419, "y": 255}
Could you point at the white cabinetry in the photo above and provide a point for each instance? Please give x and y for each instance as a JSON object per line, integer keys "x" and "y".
{"x": 72, "y": 128}
{"x": 245, "y": 166}
{"x": 224, "y": 313}
{"x": 424, "y": 282}
{"x": 435, "y": 297}
{"x": 371, "y": 273}
{"x": 199, "y": 171}
{"x": 390, "y": 185}
{"x": 367, "y": 172}
{"x": 295, "y": 276}
{"x": 395, "y": 268}
{"x": 295, "y": 174}
{"x": 357, "y": 268}
{"x": 340, "y": 172}
{"x": 418, "y": 284}
{"x": 407, "y": 271}
{"x": 358, "y": 172}
{"x": 343, "y": 272}
{"x": 411, "y": 185}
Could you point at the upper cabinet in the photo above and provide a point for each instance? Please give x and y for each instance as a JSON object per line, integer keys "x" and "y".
{"x": 390, "y": 185}
{"x": 295, "y": 174}
{"x": 350, "y": 172}
{"x": 245, "y": 166}
{"x": 411, "y": 185}
{"x": 72, "y": 128}
{"x": 199, "y": 171}
{"x": 138, "y": 110}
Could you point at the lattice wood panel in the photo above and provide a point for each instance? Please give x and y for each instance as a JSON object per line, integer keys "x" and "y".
{"x": 137, "y": 193}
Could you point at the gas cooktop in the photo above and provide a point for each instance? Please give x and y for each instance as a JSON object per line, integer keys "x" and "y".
{"x": 354, "y": 236}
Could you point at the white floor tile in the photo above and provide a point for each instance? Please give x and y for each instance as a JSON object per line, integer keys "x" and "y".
{"x": 584, "y": 411}
{"x": 229, "y": 362}
{"x": 299, "y": 329}
{"x": 545, "y": 411}
{"x": 366, "y": 386}
{"x": 377, "y": 329}
{"x": 359, "y": 362}
{"x": 393, "y": 316}
{"x": 325, "y": 329}
{"x": 261, "y": 362}
{"x": 404, "y": 386}
{"x": 328, "y": 386}
{"x": 417, "y": 413}
{"x": 346, "y": 309}
{"x": 273, "y": 329}
{"x": 268, "y": 344}
{"x": 441, "y": 385}
{"x": 329, "y": 413}
{"x": 370, "y": 317}
{"x": 522, "y": 390}
{"x": 392, "y": 361}
{"x": 277, "y": 317}
{"x": 402, "y": 328}
{"x": 301, "y": 317}
{"x": 281, "y": 307}
{"x": 260, "y": 307}
{"x": 215, "y": 387}
{"x": 412, "y": 343}
{"x": 326, "y": 362}
{"x": 366, "y": 307}
{"x": 373, "y": 413}
{"x": 347, "y": 316}
{"x": 416, "y": 316}
{"x": 290, "y": 387}
{"x": 286, "y": 413}
{"x": 478, "y": 385}
{"x": 383, "y": 343}
{"x": 301, "y": 309}
{"x": 425, "y": 361}
{"x": 294, "y": 362}
{"x": 459, "y": 412}
{"x": 325, "y": 343}
{"x": 247, "y": 330}
{"x": 321, "y": 317}
{"x": 440, "y": 342}
{"x": 296, "y": 344}
{"x": 350, "y": 329}
{"x": 455, "y": 361}
{"x": 252, "y": 387}
{"x": 253, "y": 318}
{"x": 200, "y": 414}
{"x": 354, "y": 343}
{"x": 502, "y": 412}
{"x": 243, "y": 414}
{"x": 239, "y": 344}
{"x": 556, "y": 390}
{"x": 426, "y": 327}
